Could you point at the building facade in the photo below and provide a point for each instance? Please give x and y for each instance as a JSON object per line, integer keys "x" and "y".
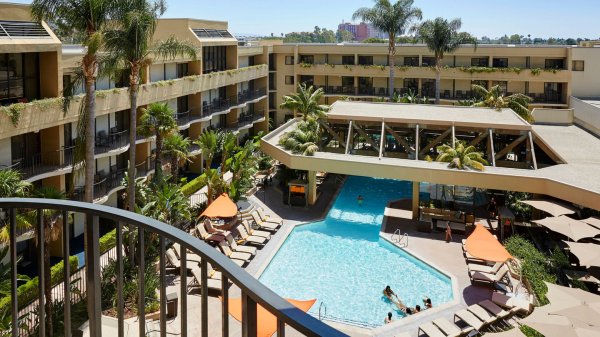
{"x": 361, "y": 31}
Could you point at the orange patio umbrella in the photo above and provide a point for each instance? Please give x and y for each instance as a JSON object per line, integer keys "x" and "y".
{"x": 483, "y": 245}
{"x": 266, "y": 322}
{"x": 222, "y": 207}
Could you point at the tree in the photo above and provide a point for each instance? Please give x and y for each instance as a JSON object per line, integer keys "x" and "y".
{"x": 305, "y": 102}
{"x": 157, "y": 120}
{"x": 177, "y": 149}
{"x": 494, "y": 98}
{"x": 129, "y": 46}
{"x": 88, "y": 17}
{"x": 12, "y": 186}
{"x": 515, "y": 39}
{"x": 167, "y": 203}
{"x": 442, "y": 37}
{"x": 344, "y": 35}
{"x": 54, "y": 224}
{"x": 461, "y": 156}
{"x": 373, "y": 40}
{"x": 208, "y": 143}
{"x": 304, "y": 139}
{"x": 393, "y": 19}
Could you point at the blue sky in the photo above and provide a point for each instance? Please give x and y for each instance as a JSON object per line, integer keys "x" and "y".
{"x": 540, "y": 18}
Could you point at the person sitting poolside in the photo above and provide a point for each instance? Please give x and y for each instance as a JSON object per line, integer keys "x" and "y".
{"x": 417, "y": 308}
{"x": 388, "y": 319}
{"x": 408, "y": 311}
{"x": 427, "y": 302}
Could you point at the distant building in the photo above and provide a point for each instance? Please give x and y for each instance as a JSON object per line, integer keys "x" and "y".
{"x": 361, "y": 31}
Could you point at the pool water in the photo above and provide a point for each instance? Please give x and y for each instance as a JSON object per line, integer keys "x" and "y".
{"x": 343, "y": 263}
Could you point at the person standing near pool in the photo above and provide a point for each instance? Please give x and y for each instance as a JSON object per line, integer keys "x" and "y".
{"x": 359, "y": 200}
{"x": 448, "y": 232}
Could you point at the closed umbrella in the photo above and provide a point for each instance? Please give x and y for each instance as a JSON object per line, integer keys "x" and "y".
{"x": 483, "y": 245}
{"x": 555, "y": 208}
{"x": 571, "y": 228}
{"x": 588, "y": 254}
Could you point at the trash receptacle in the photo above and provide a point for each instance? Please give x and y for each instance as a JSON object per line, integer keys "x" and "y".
{"x": 172, "y": 305}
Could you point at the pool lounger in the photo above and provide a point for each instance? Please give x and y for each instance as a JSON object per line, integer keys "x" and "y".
{"x": 268, "y": 217}
{"x": 430, "y": 330}
{"x": 471, "y": 320}
{"x": 210, "y": 283}
{"x": 482, "y": 314}
{"x": 252, "y": 239}
{"x": 270, "y": 226}
{"x": 254, "y": 232}
{"x": 489, "y": 278}
{"x": 495, "y": 309}
{"x": 515, "y": 305}
{"x": 484, "y": 268}
{"x": 451, "y": 329}
{"x": 227, "y": 250}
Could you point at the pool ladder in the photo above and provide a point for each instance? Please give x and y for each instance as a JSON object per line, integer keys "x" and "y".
{"x": 399, "y": 238}
{"x": 323, "y": 307}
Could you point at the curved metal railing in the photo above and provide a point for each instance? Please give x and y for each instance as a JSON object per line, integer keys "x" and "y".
{"x": 253, "y": 293}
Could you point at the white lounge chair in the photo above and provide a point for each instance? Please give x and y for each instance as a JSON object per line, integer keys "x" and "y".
{"x": 189, "y": 256}
{"x": 489, "y": 278}
{"x": 264, "y": 224}
{"x": 226, "y": 249}
{"x": 495, "y": 309}
{"x": 173, "y": 260}
{"x": 482, "y": 314}
{"x": 211, "y": 229}
{"x": 212, "y": 273}
{"x": 247, "y": 238}
{"x": 451, "y": 329}
{"x": 203, "y": 234}
{"x": 236, "y": 248}
{"x": 210, "y": 283}
{"x": 484, "y": 268}
{"x": 470, "y": 319}
{"x": 516, "y": 305}
{"x": 254, "y": 232}
{"x": 430, "y": 330}
{"x": 268, "y": 217}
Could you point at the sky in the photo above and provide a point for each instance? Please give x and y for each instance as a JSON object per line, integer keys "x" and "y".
{"x": 540, "y": 18}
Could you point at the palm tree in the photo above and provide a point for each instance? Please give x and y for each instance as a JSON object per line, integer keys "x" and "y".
{"x": 303, "y": 139}
{"x": 167, "y": 204}
{"x": 461, "y": 156}
{"x": 12, "y": 186}
{"x": 208, "y": 142}
{"x": 157, "y": 120}
{"x": 442, "y": 37}
{"x": 129, "y": 46}
{"x": 305, "y": 102}
{"x": 53, "y": 225}
{"x": 88, "y": 17}
{"x": 227, "y": 145}
{"x": 177, "y": 149}
{"x": 393, "y": 19}
{"x": 494, "y": 98}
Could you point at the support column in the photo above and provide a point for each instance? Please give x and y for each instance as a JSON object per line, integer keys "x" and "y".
{"x": 415, "y": 200}
{"x": 312, "y": 187}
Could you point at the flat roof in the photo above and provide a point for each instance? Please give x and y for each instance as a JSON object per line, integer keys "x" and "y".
{"x": 426, "y": 114}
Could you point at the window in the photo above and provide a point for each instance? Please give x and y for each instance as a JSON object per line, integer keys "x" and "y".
{"x": 347, "y": 81}
{"x": 289, "y": 80}
{"x": 578, "y": 65}
{"x": 503, "y": 86}
{"x": 289, "y": 60}
{"x": 182, "y": 70}
{"x": 428, "y": 61}
{"x": 308, "y": 80}
{"x": 365, "y": 60}
{"x": 479, "y": 62}
{"x": 555, "y": 64}
{"x": 19, "y": 78}
{"x": 500, "y": 62}
{"x": 428, "y": 88}
{"x": 348, "y": 60}
{"x": 411, "y": 61}
{"x": 308, "y": 59}
{"x": 214, "y": 59}
{"x": 411, "y": 84}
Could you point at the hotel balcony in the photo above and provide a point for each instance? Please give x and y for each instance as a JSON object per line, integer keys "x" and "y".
{"x": 42, "y": 165}
{"x": 104, "y": 184}
{"x": 196, "y": 314}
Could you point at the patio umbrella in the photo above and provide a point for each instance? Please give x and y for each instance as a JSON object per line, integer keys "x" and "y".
{"x": 222, "y": 207}
{"x": 555, "y": 208}
{"x": 267, "y": 323}
{"x": 565, "y": 297}
{"x": 483, "y": 245}
{"x": 574, "y": 229}
{"x": 593, "y": 221}
{"x": 554, "y": 325}
{"x": 515, "y": 332}
{"x": 588, "y": 254}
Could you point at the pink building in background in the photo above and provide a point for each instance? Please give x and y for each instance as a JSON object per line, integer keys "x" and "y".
{"x": 361, "y": 31}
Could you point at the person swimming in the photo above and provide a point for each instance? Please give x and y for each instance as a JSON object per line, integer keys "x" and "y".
{"x": 360, "y": 200}
{"x": 391, "y": 295}
{"x": 388, "y": 319}
{"x": 427, "y": 302}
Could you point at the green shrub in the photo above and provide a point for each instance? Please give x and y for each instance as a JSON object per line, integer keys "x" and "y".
{"x": 535, "y": 267}
{"x": 529, "y": 332}
{"x": 28, "y": 291}
{"x": 108, "y": 241}
{"x": 194, "y": 186}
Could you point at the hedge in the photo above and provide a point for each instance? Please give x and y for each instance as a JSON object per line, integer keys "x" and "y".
{"x": 194, "y": 185}
{"x": 108, "y": 241}
{"x": 28, "y": 292}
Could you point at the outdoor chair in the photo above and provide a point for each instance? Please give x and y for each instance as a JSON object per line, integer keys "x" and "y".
{"x": 268, "y": 218}
{"x": 482, "y": 314}
{"x": 242, "y": 249}
{"x": 226, "y": 249}
{"x": 489, "y": 278}
{"x": 197, "y": 280}
{"x": 514, "y": 304}
{"x": 451, "y": 329}
{"x": 211, "y": 229}
{"x": 484, "y": 268}
{"x": 254, "y": 232}
{"x": 201, "y": 233}
{"x": 189, "y": 256}
{"x": 212, "y": 273}
{"x": 175, "y": 263}
{"x": 428, "y": 329}
{"x": 251, "y": 239}
{"x": 470, "y": 319}
{"x": 264, "y": 224}
{"x": 495, "y": 309}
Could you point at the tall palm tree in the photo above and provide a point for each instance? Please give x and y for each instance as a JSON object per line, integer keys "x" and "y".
{"x": 129, "y": 47}
{"x": 305, "y": 102}
{"x": 167, "y": 204}
{"x": 494, "y": 98}
{"x": 442, "y": 37}
{"x": 394, "y": 19}
{"x": 177, "y": 149}
{"x": 461, "y": 156}
{"x": 53, "y": 225}
{"x": 157, "y": 120}
{"x": 227, "y": 145}
{"x": 12, "y": 186}
{"x": 88, "y": 17}
{"x": 208, "y": 142}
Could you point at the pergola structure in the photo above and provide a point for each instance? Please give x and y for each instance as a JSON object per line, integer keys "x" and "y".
{"x": 399, "y": 141}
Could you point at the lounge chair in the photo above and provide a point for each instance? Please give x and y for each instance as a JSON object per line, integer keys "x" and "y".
{"x": 484, "y": 269}
{"x": 430, "y": 330}
{"x": 236, "y": 248}
{"x": 470, "y": 319}
{"x": 264, "y": 224}
{"x": 451, "y": 329}
{"x": 173, "y": 261}
{"x": 514, "y": 304}
{"x": 210, "y": 283}
{"x": 495, "y": 309}
{"x": 489, "y": 278}
{"x": 189, "y": 256}
{"x": 254, "y": 232}
{"x": 203, "y": 234}
{"x": 212, "y": 273}
{"x": 268, "y": 218}
{"x": 247, "y": 238}
{"x": 211, "y": 229}
{"x": 482, "y": 314}
{"x": 226, "y": 249}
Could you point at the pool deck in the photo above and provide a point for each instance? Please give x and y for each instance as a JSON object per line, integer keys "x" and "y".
{"x": 447, "y": 257}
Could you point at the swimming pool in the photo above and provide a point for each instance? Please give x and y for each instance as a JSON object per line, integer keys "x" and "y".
{"x": 343, "y": 263}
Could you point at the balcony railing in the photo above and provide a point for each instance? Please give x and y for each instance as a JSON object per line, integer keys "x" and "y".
{"x": 111, "y": 141}
{"x": 144, "y": 168}
{"x": 41, "y": 163}
{"x": 102, "y": 185}
{"x": 249, "y": 95}
{"x": 253, "y": 293}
